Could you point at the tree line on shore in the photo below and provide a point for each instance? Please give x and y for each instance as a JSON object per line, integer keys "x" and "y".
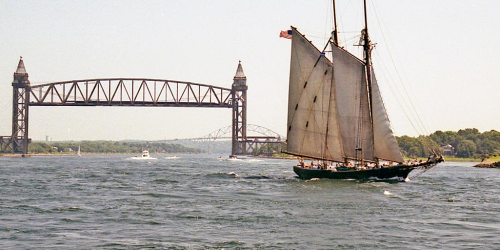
{"x": 466, "y": 143}
{"x": 106, "y": 147}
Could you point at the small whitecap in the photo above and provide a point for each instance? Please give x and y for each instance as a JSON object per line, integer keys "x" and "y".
{"x": 313, "y": 179}
{"x": 233, "y": 174}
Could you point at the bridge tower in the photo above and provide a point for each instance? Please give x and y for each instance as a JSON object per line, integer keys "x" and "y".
{"x": 239, "y": 101}
{"x": 21, "y": 90}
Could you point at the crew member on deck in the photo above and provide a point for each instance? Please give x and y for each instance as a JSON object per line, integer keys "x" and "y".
{"x": 301, "y": 162}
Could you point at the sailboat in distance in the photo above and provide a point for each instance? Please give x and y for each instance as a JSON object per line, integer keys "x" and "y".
{"x": 336, "y": 115}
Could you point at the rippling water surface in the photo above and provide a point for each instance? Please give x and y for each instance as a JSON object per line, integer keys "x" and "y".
{"x": 201, "y": 202}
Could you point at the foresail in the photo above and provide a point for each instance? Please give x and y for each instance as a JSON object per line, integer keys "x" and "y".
{"x": 352, "y": 103}
{"x": 386, "y": 146}
{"x": 311, "y": 111}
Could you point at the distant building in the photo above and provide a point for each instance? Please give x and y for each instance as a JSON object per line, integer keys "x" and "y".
{"x": 448, "y": 150}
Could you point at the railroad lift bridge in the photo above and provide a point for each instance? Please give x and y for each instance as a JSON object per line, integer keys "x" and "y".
{"x": 131, "y": 92}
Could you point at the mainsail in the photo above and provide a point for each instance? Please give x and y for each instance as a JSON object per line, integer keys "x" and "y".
{"x": 352, "y": 101}
{"x": 329, "y": 114}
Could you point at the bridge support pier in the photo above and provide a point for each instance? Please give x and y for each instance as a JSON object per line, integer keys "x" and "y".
{"x": 20, "y": 110}
{"x": 239, "y": 102}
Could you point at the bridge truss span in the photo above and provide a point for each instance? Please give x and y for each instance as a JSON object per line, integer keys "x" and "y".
{"x": 129, "y": 92}
{"x": 222, "y": 132}
{"x": 264, "y": 143}
{"x": 138, "y": 92}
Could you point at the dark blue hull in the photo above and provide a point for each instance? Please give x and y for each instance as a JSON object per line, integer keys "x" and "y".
{"x": 400, "y": 171}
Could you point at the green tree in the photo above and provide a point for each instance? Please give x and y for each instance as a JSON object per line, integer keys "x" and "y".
{"x": 466, "y": 149}
{"x": 443, "y": 138}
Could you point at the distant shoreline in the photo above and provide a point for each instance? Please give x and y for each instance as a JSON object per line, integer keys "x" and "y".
{"x": 84, "y": 154}
{"x": 447, "y": 159}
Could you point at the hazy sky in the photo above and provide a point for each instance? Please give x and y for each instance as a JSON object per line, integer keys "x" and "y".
{"x": 446, "y": 53}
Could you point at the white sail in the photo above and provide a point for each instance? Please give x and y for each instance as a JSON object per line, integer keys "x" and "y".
{"x": 352, "y": 103}
{"x": 386, "y": 146}
{"x": 311, "y": 110}
{"x": 335, "y": 123}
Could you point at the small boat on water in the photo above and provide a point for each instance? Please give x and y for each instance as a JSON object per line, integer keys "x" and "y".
{"x": 145, "y": 156}
{"x": 336, "y": 114}
{"x": 236, "y": 158}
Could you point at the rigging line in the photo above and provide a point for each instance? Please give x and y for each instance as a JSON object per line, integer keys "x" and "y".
{"x": 341, "y": 15}
{"x": 300, "y": 96}
{"x": 357, "y": 15}
{"x": 352, "y": 44}
{"x": 426, "y": 143}
{"x": 352, "y": 40}
{"x": 293, "y": 115}
{"x": 333, "y": 36}
{"x": 316, "y": 123}
{"x": 412, "y": 97}
{"x": 394, "y": 64}
{"x": 312, "y": 112}
{"x": 327, "y": 21}
{"x": 349, "y": 3}
{"x": 419, "y": 107}
{"x": 359, "y": 120}
{"x": 396, "y": 97}
{"x": 359, "y": 135}
{"x": 393, "y": 88}
{"x": 314, "y": 33}
{"x": 349, "y": 32}
{"x": 422, "y": 130}
{"x": 413, "y": 112}
{"x": 383, "y": 105}
{"x": 386, "y": 116}
{"x": 333, "y": 93}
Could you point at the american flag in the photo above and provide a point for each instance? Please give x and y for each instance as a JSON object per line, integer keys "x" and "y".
{"x": 286, "y": 34}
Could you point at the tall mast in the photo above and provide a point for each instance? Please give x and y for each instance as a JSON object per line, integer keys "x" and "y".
{"x": 367, "y": 46}
{"x": 336, "y": 42}
{"x": 335, "y": 32}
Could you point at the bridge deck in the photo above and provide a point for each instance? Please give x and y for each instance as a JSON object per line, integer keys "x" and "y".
{"x": 130, "y": 92}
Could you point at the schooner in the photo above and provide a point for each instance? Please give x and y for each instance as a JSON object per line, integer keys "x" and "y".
{"x": 336, "y": 114}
